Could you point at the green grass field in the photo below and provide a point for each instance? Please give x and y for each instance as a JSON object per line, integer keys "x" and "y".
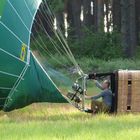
{"x": 63, "y": 122}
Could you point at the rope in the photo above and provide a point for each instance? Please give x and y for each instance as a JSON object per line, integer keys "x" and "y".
{"x": 58, "y": 33}
{"x": 65, "y": 43}
{"x": 76, "y": 65}
{"x": 23, "y": 21}
{"x": 53, "y": 42}
{"x": 44, "y": 49}
{"x": 70, "y": 56}
{"x": 65, "y": 48}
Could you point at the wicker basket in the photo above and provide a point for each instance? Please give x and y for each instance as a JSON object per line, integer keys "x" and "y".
{"x": 128, "y": 91}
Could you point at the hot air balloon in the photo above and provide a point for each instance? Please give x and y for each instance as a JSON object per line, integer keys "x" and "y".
{"x": 24, "y": 77}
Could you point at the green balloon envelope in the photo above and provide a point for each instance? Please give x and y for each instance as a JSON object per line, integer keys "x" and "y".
{"x": 23, "y": 80}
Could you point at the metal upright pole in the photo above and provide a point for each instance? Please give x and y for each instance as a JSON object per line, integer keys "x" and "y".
{"x": 84, "y": 91}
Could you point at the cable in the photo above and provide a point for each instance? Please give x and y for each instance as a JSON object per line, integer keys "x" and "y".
{"x": 60, "y": 32}
{"x": 44, "y": 30}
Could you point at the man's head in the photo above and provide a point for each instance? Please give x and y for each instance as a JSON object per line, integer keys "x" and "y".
{"x": 106, "y": 84}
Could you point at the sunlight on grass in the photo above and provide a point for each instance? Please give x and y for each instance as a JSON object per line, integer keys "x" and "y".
{"x": 63, "y": 122}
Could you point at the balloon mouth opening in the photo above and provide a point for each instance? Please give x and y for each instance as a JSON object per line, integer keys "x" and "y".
{"x": 50, "y": 47}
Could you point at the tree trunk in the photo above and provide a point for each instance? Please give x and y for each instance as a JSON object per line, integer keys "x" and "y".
{"x": 100, "y": 15}
{"x": 95, "y": 7}
{"x": 128, "y": 28}
{"x": 138, "y": 21}
{"x": 132, "y": 28}
{"x": 117, "y": 14}
{"x": 74, "y": 12}
{"x": 108, "y": 15}
{"x": 60, "y": 20}
{"x": 88, "y": 17}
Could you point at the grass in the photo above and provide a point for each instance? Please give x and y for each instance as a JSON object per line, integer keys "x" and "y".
{"x": 63, "y": 122}
{"x": 97, "y": 65}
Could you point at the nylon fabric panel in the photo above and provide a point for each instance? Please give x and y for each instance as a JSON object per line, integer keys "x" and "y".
{"x": 14, "y": 23}
{"x": 10, "y": 65}
{"x": 9, "y": 43}
{"x": 7, "y": 81}
{"x": 23, "y": 12}
{"x": 36, "y": 87}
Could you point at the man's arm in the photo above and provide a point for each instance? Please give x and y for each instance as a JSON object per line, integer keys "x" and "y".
{"x": 95, "y": 97}
{"x": 93, "y": 76}
{"x": 88, "y": 97}
{"x": 98, "y": 96}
